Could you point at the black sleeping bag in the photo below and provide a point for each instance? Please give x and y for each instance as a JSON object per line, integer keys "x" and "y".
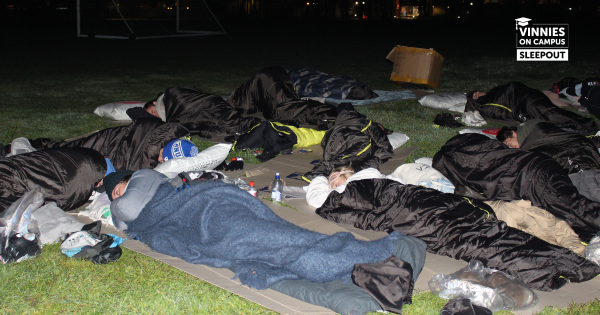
{"x": 271, "y": 137}
{"x": 272, "y": 92}
{"x": 203, "y": 113}
{"x": 483, "y": 168}
{"x": 131, "y": 147}
{"x": 515, "y": 101}
{"x": 571, "y": 150}
{"x": 66, "y": 176}
{"x": 457, "y": 227}
{"x": 354, "y": 139}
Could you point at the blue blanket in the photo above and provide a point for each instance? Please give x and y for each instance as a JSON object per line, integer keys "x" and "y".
{"x": 220, "y": 225}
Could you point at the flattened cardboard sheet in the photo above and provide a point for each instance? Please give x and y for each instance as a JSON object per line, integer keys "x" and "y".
{"x": 291, "y": 167}
{"x": 301, "y": 214}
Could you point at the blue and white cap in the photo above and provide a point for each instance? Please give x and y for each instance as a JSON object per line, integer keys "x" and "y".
{"x": 179, "y": 149}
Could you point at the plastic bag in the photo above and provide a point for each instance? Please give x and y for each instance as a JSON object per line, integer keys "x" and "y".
{"x": 592, "y": 251}
{"x": 485, "y": 287}
{"x": 19, "y": 231}
{"x": 236, "y": 181}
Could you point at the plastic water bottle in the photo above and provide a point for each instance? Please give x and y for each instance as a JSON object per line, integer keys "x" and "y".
{"x": 252, "y": 190}
{"x": 276, "y": 188}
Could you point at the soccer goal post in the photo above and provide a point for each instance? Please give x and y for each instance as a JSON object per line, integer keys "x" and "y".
{"x": 139, "y": 19}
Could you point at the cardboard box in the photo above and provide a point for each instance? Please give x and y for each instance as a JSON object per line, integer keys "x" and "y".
{"x": 416, "y": 65}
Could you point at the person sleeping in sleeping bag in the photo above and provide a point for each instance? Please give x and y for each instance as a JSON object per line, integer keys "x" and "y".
{"x": 451, "y": 225}
{"x": 354, "y": 139}
{"x": 573, "y": 151}
{"x": 66, "y": 176}
{"x": 309, "y": 82}
{"x": 271, "y": 91}
{"x": 130, "y": 147}
{"x": 201, "y": 113}
{"x": 220, "y": 225}
{"x": 515, "y": 101}
{"x": 586, "y": 92}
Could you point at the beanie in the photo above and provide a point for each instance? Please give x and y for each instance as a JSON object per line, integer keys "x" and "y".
{"x": 178, "y": 149}
{"x": 111, "y": 180}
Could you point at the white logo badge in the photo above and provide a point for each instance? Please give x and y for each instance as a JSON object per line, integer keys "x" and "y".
{"x": 541, "y": 42}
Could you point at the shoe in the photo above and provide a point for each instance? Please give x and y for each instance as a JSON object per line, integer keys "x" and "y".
{"x": 76, "y": 241}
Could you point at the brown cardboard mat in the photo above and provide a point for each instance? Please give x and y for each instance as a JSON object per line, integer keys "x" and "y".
{"x": 300, "y": 213}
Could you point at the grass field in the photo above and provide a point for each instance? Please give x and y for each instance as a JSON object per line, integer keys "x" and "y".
{"x": 50, "y": 82}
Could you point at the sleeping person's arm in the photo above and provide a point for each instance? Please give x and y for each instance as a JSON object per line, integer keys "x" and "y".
{"x": 317, "y": 192}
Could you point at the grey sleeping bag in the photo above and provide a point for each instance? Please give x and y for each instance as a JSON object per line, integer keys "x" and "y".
{"x": 336, "y": 295}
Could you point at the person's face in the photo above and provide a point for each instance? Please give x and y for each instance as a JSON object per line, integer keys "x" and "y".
{"x": 160, "y": 156}
{"x": 512, "y": 142}
{"x": 337, "y": 182}
{"x": 118, "y": 190}
{"x": 152, "y": 110}
{"x": 478, "y": 94}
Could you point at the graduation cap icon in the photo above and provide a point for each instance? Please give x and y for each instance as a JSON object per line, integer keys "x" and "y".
{"x": 523, "y": 21}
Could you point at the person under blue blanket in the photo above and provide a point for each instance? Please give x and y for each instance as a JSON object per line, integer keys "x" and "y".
{"x": 220, "y": 225}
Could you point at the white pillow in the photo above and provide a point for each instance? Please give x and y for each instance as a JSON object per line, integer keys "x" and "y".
{"x": 117, "y": 110}
{"x": 206, "y": 160}
{"x": 490, "y": 132}
{"x": 397, "y": 139}
{"x": 450, "y": 101}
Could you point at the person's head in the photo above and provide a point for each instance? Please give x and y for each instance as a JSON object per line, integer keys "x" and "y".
{"x": 177, "y": 149}
{"x": 150, "y": 108}
{"x": 115, "y": 183}
{"x": 478, "y": 94}
{"x": 339, "y": 175}
{"x": 508, "y": 136}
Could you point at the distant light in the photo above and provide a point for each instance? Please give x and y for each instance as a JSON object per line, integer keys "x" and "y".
{"x": 448, "y": 7}
{"x": 467, "y": 12}
{"x": 458, "y": 17}
{"x": 187, "y": 8}
{"x": 363, "y": 2}
{"x": 357, "y": 3}
{"x": 354, "y": 14}
{"x": 471, "y": 3}
{"x": 308, "y": 3}
{"x": 570, "y": 9}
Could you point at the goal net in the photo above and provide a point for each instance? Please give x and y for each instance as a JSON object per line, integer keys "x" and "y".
{"x": 145, "y": 19}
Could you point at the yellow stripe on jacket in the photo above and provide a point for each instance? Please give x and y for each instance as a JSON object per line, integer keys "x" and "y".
{"x": 306, "y": 136}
